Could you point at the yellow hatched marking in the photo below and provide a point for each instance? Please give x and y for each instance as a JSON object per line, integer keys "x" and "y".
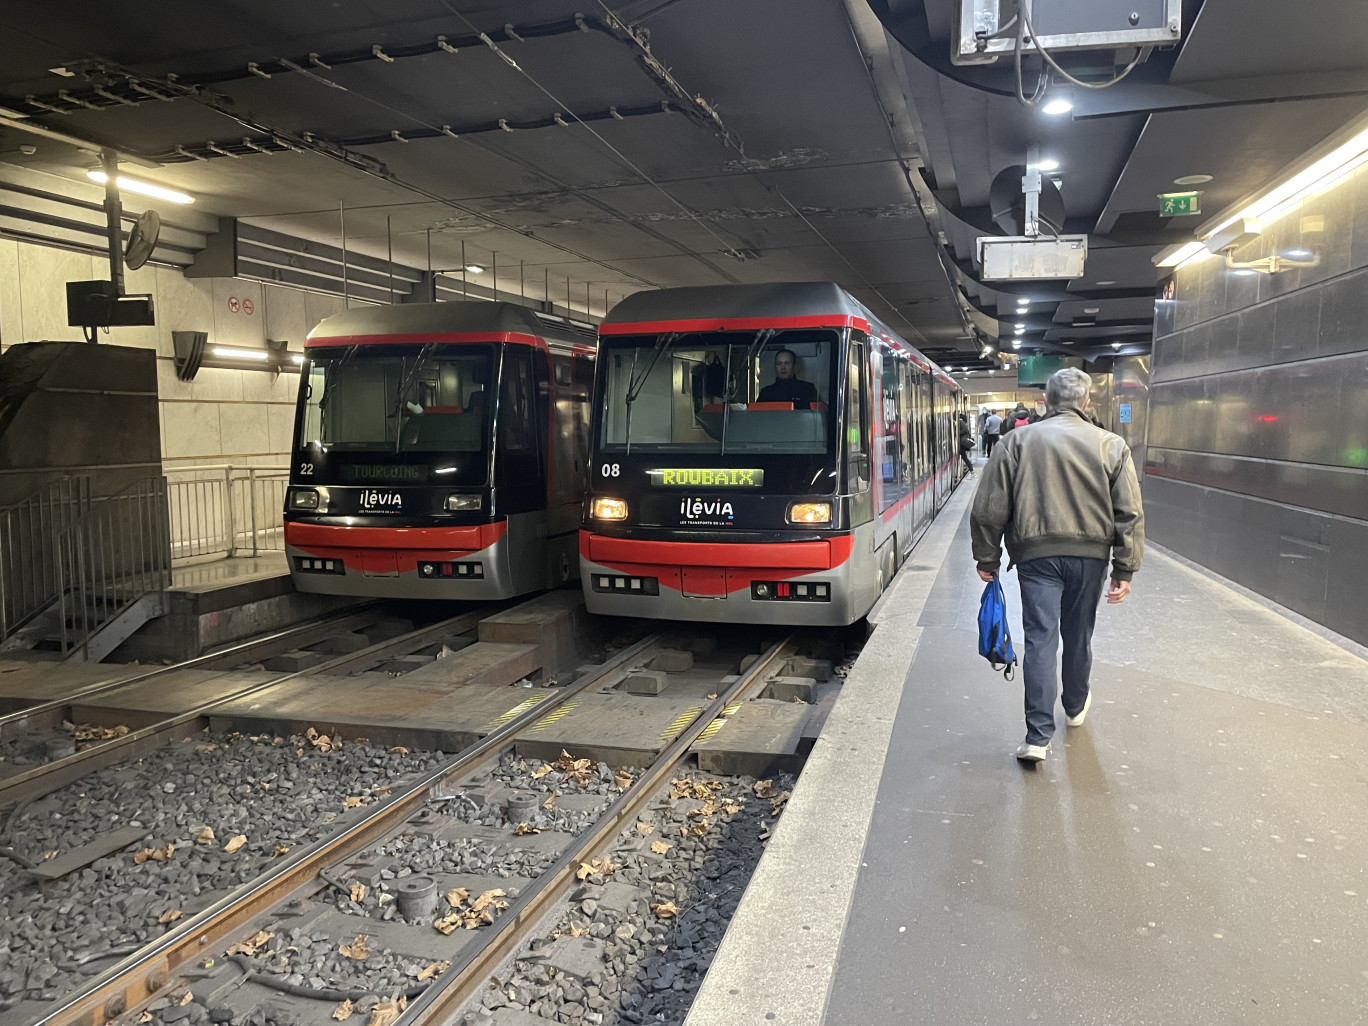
{"x": 517, "y": 710}
{"x": 552, "y": 717}
{"x": 710, "y": 731}
{"x": 678, "y": 724}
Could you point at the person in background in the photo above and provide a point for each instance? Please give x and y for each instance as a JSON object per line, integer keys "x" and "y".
{"x": 966, "y": 444}
{"x": 992, "y": 431}
{"x": 1020, "y": 417}
{"x": 1065, "y": 496}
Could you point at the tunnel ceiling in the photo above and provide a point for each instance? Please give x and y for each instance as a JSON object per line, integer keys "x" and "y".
{"x": 671, "y": 142}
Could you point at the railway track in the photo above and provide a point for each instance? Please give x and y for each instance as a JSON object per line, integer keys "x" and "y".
{"x": 160, "y": 969}
{"x": 49, "y": 776}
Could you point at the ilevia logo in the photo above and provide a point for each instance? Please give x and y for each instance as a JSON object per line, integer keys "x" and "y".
{"x": 706, "y": 512}
{"x": 381, "y": 502}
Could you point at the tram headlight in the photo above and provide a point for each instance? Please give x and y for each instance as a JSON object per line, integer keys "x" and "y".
{"x": 303, "y": 498}
{"x": 463, "y": 502}
{"x": 809, "y": 513}
{"x": 609, "y": 509}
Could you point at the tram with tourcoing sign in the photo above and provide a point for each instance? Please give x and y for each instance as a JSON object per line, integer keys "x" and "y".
{"x": 439, "y": 452}
{"x": 760, "y": 454}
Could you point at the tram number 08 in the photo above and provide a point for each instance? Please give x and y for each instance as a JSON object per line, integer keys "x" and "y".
{"x": 611, "y": 470}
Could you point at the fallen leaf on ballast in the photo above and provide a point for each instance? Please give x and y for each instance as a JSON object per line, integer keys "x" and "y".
{"x": 577, "y": 771}
{"x": 155, "y": 854}
{"x": 170, "y": 915}
{"x": 697, "y": 830}
{"x": 249, "y": 946}
{"x": 280, "y": 849}
{"x": 712, "y": 696}
{"x": 603, "y": 866}
{"x": 234, "y": 843}
{"x": 356, "y": 950}
{"x": 434, "y": 969}
{"x": 448, "y": 924}
{"x": 90, "y": 732}
{"x": 358, "y": 891}
{"x": 205, "y": 836}
{"x": 666, "y": 910}
{"x": 523, "y": 829}
{"x": 457, "y": 896}
{"x": 352, "y": 802}
{"x": 489, "y": 899}
{"x": 400, "y": 751}
{"x": 578, "y": 931}
{"x": 731, "y": 809}
{"x": 186, "y": 999}
{"x": 645, "y": 828}
{"x": 779, "y": 801}
{"x": 343, "y": 1011}
{"x": 622, "y": 778}
{"x": 541, "y": 771}
{"x": 386, "y": 1012}
{"x": 146, "y": 1017}
{"x": 660, "y": 847}
{"x": 763, "y": 788}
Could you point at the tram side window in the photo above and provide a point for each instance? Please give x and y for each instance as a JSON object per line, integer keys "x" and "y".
{"x": 857, "y": 440}
{"x": 517, "y": 415}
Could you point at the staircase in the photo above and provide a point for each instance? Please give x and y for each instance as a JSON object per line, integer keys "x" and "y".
{"x": 98, "y": 572}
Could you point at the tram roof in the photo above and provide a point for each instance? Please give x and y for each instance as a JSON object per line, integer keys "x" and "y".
{"x": 454, "y": 318}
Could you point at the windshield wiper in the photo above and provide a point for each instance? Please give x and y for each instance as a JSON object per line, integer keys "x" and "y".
{"x": 331, "y": 375}
{"x": 635, "y": 384}
{"x": 418, "y": 364}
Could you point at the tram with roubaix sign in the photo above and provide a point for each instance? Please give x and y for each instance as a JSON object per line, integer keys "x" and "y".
{"x": 439, "y": 452}
{"x": 760, "y": 454}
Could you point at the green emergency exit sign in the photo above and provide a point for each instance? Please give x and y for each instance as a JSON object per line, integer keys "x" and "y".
{"x": 1175, "y": 204}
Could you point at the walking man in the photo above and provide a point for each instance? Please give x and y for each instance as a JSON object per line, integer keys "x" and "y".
{"x": 1065, "y": 496}
{"x": 992, "y": 430}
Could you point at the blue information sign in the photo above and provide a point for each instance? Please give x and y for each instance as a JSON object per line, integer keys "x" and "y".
{"x": 1124, "y": 416}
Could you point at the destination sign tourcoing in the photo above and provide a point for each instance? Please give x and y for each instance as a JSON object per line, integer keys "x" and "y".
{"x": 712, "y": 477}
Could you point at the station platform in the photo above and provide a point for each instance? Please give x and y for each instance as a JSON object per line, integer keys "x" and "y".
{"x": 1196, "y": 852}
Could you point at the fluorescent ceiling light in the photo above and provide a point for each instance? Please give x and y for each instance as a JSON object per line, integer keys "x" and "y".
{"x": 141, "y": 188}
{"x": 296, "y": 358}
{"x": 1016, "y": 343}
{"x": 1193, "y": 179}
{"x": 1048, "y": 164}
{"x": 1109, "y": 281}
{"x": 241, "y": 354}
{"x": 1116, "y": 345}
{"x": 1059, "y": 106}
{"x": 1317, "y": 177}
{"x": 474, "y": 268}
{"x": 1176, "y": 256}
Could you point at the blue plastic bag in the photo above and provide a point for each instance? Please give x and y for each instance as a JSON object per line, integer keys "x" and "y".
{"x": 995, "y": 637}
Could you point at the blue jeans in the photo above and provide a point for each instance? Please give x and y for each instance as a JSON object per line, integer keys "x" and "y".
{"x": 1059, "y": 596}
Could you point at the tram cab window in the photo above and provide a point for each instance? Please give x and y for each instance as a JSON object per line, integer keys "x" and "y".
{"x": 720, "y": 392}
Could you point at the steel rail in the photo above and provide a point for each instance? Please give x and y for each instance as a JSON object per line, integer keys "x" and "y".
{"x": 51, "y": 713}
{"x": 48, "y": 777}
{"x": 139, "y": 976}
{"x": 441, "y": 1002}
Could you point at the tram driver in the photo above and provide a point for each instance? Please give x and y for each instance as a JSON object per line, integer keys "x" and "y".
{"x": 787, "y": 386}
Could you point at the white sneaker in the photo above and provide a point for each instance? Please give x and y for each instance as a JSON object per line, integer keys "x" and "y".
{"x": 1077, "y": 721}
{"x": 1032, "y": 753}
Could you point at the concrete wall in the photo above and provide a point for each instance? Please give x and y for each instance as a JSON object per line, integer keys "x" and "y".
{"x": 223, "y": 416}
{"x": 1257, "y": 464}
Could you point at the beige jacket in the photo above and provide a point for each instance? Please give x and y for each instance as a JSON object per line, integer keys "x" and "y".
{"x": 1060, "y": 487}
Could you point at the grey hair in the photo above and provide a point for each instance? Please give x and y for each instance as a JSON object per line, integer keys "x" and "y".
{"x": 1067, "y": 387}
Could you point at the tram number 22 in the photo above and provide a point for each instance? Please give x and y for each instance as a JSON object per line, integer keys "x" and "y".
{"x": 306, "y": 470}
{"x": 611, "y": 470}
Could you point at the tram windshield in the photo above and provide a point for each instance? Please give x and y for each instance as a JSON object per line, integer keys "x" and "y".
{"x": 721, "y": 392}
{"x": 414, "y": 403}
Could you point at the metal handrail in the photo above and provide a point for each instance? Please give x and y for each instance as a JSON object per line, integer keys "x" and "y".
{"x": 223, "y": 510}
{"x": 111, "y": 557}
{"x": 29, "y": 580}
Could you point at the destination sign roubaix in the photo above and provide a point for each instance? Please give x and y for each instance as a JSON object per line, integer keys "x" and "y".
{"x": 1176, "y": 204}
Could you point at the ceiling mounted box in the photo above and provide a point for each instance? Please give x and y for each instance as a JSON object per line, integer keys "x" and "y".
{"x": 1020, "y": 258}
{"x": 1064, "y": 25}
